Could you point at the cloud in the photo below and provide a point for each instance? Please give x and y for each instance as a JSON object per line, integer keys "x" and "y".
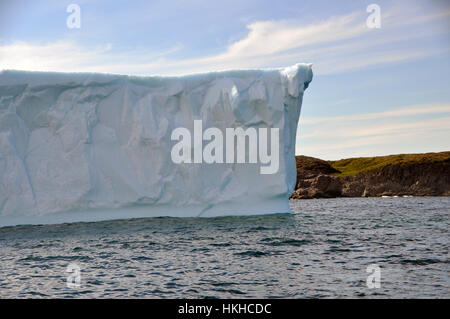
{"x": 328, "y": 44}
{"x": 426, "y": 141}
{"x": 404, "y": 111}
{"x": 49, "y": 57}
{"x": 66, "y": 56}
{"x": 272, "y": 37}
{"x": 420, "y": 127}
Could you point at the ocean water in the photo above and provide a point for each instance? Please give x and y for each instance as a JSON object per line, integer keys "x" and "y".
{"x": 321, "y": 251}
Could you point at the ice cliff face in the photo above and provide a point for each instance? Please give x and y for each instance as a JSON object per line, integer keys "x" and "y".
{"x": 81, "y": 147}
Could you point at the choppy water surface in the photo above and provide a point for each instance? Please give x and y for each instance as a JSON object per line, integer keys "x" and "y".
{"x": 322, "y": 250}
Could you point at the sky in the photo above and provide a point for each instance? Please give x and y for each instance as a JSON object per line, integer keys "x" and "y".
{"x": 376, "y": 91}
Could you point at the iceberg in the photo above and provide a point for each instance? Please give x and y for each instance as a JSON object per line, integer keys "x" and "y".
{"x": 88, "y": 147}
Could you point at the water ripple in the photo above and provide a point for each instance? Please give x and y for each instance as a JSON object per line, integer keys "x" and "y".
{"x": 321, "y": 251}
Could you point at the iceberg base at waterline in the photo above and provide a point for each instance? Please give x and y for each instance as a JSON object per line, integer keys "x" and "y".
{"x": 89, "y": 147}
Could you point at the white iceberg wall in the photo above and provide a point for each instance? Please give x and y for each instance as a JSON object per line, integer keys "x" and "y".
{"x": 94, "y": 146}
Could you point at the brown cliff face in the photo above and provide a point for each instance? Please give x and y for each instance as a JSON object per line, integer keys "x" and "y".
{"x": 397, "y": 175}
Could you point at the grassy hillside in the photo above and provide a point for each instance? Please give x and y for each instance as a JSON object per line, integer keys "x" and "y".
{"x": 353, "y": 166}
{"x": 315, "y": 165}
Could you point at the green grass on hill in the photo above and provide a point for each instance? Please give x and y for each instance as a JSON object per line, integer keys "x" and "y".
{"x": 353, "y": 166}
{"x": 314, "y": 164}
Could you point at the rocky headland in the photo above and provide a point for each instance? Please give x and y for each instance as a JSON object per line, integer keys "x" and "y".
{"x": 395, "y": 175}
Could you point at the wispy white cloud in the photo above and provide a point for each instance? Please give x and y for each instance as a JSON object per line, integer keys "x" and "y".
{"x": 404, "y": 111}
{"x": 271, "y": 37}
{"x": 425, "y": 127}
{"x": 351, "y": 131}
{"x": 66, "y": 56}
{"x": 328, "y": 44}
{"x": 429, "y": 140}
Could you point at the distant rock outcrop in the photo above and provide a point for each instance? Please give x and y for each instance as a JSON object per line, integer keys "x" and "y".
{"x": 395, "y": 175}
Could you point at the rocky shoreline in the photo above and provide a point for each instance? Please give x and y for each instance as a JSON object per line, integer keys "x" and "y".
{"x": 396, "y": 175}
